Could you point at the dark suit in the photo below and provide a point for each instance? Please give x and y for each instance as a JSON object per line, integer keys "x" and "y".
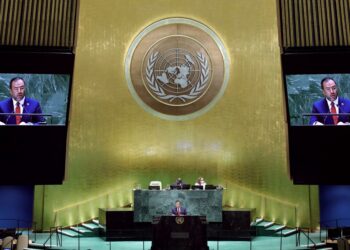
{"x": 182, "y": 211}
{"x": 321, "y": 106}
{"x": 29, "y": 106}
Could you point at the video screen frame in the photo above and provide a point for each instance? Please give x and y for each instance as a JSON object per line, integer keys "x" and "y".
{"x": 42, "y": 149}
{"x": 311, "y": 160}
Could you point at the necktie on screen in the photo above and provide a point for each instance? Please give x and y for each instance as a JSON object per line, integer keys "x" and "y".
{"x": 334, "y": 111}
{"x": 178, "y": 211}
{"x": 18, "y": 111}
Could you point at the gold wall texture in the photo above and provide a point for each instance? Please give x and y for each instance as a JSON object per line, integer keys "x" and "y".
{"x": 114, "y": 144}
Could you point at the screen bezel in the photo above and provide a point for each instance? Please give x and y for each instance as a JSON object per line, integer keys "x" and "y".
{"x": 307, "y": 145}
{"x": 42, "y": 149}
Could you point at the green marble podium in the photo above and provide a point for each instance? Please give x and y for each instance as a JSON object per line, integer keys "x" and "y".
{"x": 151, "y": 203}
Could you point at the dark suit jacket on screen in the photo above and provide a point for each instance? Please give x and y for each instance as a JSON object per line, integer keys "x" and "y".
{"x": 182, "y": 209}
{"x": 29, "y": 106}
{"x": 321, "y": 106}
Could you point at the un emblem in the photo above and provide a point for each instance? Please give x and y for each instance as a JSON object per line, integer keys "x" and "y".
{"x": 177, "y": 68}
{"x": 179, "y": 220}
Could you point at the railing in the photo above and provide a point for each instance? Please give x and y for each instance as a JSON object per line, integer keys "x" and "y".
{"x": 79, "y": 214}
{"x": 267, "y": 200}
{"x": 300, "y": 231}
{"x": 18, "y": 227}
{"x": 340, "y": 226}
{"x": 54, "y": 231}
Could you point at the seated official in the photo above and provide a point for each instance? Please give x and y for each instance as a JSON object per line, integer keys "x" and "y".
{"x": 178, "y": 182}
{"x": 178, "y": 210}
{"x": 18, "y": 103}
{"x": 200, "y": 182}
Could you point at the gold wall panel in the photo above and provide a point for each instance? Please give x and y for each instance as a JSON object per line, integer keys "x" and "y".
{"x": 312, "y": 23}
{"x": 35, "y": 23}
{"x": 114, "y": 144}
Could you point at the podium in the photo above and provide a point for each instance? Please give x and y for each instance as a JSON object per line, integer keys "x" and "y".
{"x": 155, "y": 203}
{"x": 179, "y": 233}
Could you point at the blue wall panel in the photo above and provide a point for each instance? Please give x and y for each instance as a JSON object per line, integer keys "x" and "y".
{"x": 334, "y": 206}
{"x": 16, "y": 209}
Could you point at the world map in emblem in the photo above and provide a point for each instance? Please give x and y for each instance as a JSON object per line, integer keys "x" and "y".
{"x": 177, "y": 68}
{"x": 177, "y": 76}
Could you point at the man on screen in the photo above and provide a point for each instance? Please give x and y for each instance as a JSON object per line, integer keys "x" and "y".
{"x": 18, "y": 103}
{"x": 331, "y": 104}
{"x": 178, "y": 210}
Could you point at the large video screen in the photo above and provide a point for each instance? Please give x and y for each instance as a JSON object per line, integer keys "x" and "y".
{"x": 43, "y": 97}
{"x": 35, "y": 89}
{"x": 317, "y": 127}
{"x": 307, "y": 99}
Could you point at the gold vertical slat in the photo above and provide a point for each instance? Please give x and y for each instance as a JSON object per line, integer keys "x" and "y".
{"x": 59, "y": 20}
{"x": 291, "y": 27}
{"x": 347, "y": 22}
{"x": 72, "y": 23}
{"x": 55, "y": 24}
{"x": 67, "y": 22}
{"x": 306, "y": 22}
{"x": 38, "y": 23}
{"x": 343, "y": 26}
{"x": 63, "y": 28}
{"x": 47, "y": 23}
{"x": 296, "y": 15}
{"x": 10, "y": 23}
{"x": 339, "y": 23}
{"x": 324, "y": 22}
{"x": 18, "y": 10}
{"x": 62, "y": 23}
{"x": 348, "y": 31}
{"x": 59, "y": 23}
{"x": 42, "y": 22}
{"x": 320, "y": 20}
{"x": 23, "y": 22}
{"x": 27, "y": 22}
{"x": 309, "y": 13}
{"x": 286, "y": 41}
{"x": 33, "y": 20}
{"x": 4, "y": 21}
{"x": 334, "y": 23}
{"x": 315, "y": 22}
{"x": 328, "y": 23}
{"x": 301, "y": 22}
{"x": 2, "y": 13}
{"x": 50, "y": 22}
{"x": 282, "y": 23}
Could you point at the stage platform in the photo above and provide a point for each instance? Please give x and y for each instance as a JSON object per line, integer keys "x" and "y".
{"x": 119, "y": 224}
{"x": 97, "y": 243}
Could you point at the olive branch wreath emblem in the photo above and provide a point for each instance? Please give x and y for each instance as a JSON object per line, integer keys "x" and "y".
{"x": 196, "y": 89}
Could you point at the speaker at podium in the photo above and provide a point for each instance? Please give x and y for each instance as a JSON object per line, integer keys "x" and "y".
{"x": 179, "y": 233}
